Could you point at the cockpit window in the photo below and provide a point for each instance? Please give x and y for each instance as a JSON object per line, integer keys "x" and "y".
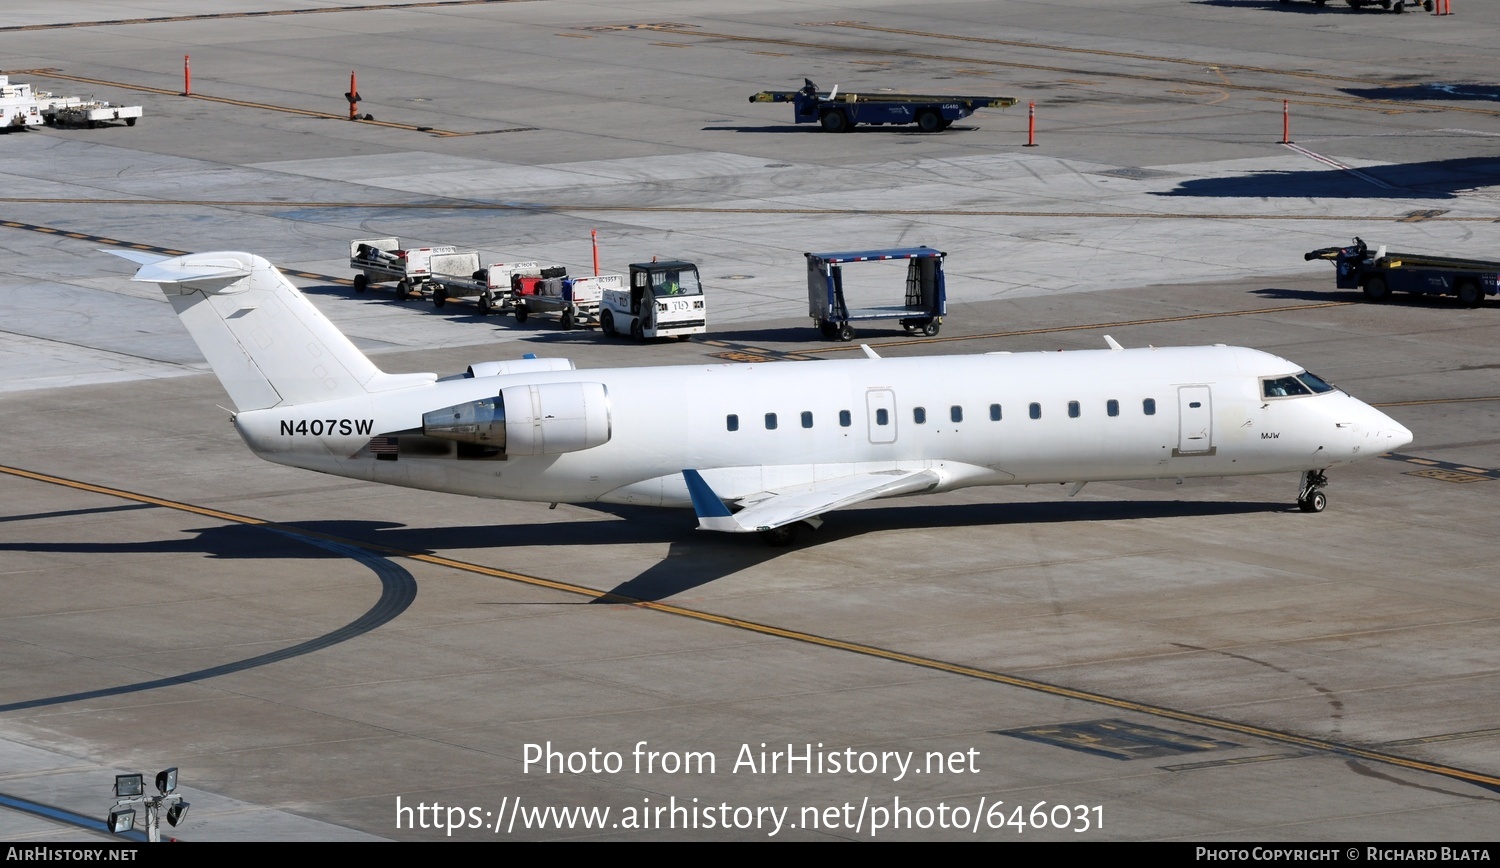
{"x": 1315, "y": 382}
{"x": 1283, "y": 387}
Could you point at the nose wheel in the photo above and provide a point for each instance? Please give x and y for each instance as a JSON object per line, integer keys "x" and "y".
{"x": 1310, "y": 496}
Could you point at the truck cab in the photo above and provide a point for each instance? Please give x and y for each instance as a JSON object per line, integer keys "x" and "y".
{"x": 664, "y": 299}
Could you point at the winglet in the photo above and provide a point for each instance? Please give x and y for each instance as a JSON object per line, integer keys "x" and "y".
{"x": 869, "y": 353}
{"x": 1113, "y": 344}
{"x": 712, "y": 513}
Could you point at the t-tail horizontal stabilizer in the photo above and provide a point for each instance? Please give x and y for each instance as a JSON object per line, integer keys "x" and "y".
{"x": 266, "y": 342}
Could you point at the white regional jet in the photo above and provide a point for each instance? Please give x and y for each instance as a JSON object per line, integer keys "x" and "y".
{"x": 753, "y": 447}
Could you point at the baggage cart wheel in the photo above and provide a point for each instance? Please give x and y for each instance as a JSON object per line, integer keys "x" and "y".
{"x": 439, "y": 297}
{"x": 835, "y": 121}
{"x": 484, "y": 304}
{"x": 846, "y": 333}
{"x": 521, "y": 313}
{"x": 931, "y": 329}
{"x": 607, "y": 324}
{"x": 929, "y": 121}
{"x": 130, "y": 122}
{"x": 567, "y": 319}
{"x": 361, "y": 282}
{"x": 636, "y": 331}
{"x": 403, "y": 289}
{"x": 1469, "y": 294}
{"x": 1376, "y": 289}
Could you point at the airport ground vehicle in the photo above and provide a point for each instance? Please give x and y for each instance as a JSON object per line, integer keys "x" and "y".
{"x": 922, "y": 311}
{"x": 575, "y": 299}
{"x": 379, "y": 260}
{"x": 837, "y": 114}
{"x": 665, "y": 299}
{"x": 87, "y": 113}
{"x": 22, "y": 107}
{"x": 19, "y": 106}
{"x": 1381, "y": 272}
{"x": 459, "y": 275}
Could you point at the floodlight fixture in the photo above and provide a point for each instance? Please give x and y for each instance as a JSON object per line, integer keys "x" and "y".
{"x": 166, "y": 780}
{"x": 129, "y": 786}
{"x": 177, "y": 814}
{"x": 121, "y": 820}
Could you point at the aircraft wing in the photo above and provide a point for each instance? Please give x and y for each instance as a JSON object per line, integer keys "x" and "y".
{"x": 770, "y": 509}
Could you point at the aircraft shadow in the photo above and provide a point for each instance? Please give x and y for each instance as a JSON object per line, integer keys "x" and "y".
{"x": 1428, "y": 91}
{"x": 1400, "y": 299}
{"x": 693, "y": 559}
{"x": 398, "y": 589}
{"x": 706, "y": 557}
{"x": 1301, "y": 7}
{"x": 1433, "y": 179}
{"x": 1309, "y": 294}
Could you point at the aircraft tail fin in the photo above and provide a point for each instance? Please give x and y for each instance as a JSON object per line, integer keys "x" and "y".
{"x": 265, "y": 341}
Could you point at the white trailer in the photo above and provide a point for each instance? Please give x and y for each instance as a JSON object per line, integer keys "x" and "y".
{"x": 458, "y": 275}
{"x": 576, "y": 299}
{"x": 665, "y": 299}
{"x": 379, "y": 260}
{"x": 72, "y": 111}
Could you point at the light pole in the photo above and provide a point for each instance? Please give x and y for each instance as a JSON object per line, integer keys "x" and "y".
{"x": 130, "y": 793}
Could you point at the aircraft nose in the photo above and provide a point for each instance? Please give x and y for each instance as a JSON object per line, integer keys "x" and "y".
{"x": 1389, "y": 434}
{"x": 1395, "y": 435}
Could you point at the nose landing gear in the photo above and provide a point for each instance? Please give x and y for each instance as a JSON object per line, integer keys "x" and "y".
{"x": 1310, "y": 497}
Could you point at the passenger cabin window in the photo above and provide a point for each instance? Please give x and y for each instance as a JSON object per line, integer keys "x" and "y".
{"x": 956, "y": 413}
{"x": 919, "y": 415}
{"x": 1148, "y": 406}
{"x": 806, "y": 419}
{"x": 770, "y": 421}
{"x": 732, "y": 422}
{"x": 1074, "y": 410}
{"x": 1036, "y": 411}
{"x": 1112, "y": 407}
{"x": 882, "y": 416}
{"x": 1283, "y": 387}
{"x": 845, "y": 419}
{"x": 994, "y": 412}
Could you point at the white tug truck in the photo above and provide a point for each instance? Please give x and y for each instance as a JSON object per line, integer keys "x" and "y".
{"x": 665, "y": 299}
{"x": 381, "y": 259}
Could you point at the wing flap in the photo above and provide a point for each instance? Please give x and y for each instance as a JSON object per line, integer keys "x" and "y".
{"x": 772, "y": 509}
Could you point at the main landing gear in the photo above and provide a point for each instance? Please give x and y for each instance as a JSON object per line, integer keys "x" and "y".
{"x": 1310, "y": 496}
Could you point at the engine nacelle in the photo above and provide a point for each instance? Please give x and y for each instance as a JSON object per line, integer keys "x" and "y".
{"x": 518, "y": 366}
{"x": 534, "y": 419}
